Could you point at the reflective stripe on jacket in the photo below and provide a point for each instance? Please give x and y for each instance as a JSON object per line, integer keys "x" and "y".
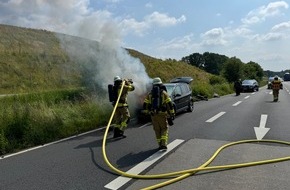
{"x": 123, "y": 98}
{"x": 276, "y": 84}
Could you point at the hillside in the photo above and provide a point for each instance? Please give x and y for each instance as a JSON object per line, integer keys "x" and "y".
{"x": 33, "y": 60}
{"x": 168, "y": 69}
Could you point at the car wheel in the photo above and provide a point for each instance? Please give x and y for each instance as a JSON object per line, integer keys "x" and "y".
{"x": 190, "y": 106}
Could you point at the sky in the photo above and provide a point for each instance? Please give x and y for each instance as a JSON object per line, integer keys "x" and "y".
{"x": 251, "y": 30}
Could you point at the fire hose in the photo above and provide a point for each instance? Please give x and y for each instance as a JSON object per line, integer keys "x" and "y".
{"x": 179, "y": 175}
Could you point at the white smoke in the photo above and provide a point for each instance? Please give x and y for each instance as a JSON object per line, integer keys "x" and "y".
{"x": 77, "y": 18}
{"x": 103, "y": 62}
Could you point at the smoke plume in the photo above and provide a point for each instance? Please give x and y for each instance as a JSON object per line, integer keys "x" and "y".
{"x": 78, "y": 18}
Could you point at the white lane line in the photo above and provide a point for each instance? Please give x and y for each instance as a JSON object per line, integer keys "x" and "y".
{"x": 247, "y": 97}
{"x": 271, "y": 92}
{"x": 253, "y": 92}
{"x": 215, "y": 117}
{"x": 120, "y": 181}
{"x": 51, "y": 143}
{"x": 145, "y": 125}
{"x": 237, "y": 103}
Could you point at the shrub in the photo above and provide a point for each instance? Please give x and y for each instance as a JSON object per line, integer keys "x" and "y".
{"x": 213, "y": 80}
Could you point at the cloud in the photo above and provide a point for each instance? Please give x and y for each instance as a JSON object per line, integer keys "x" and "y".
{"x": 272, "y": 9}
{"x": 149, "y": 5}
{"x": 271, "y": 37}
{"x": 214, "y": 37}
{"x": 261, "y": 13}
{"x": 131, "y": 25}
{"x": 281, "y": 27}
{"x": 242, "y": 31}
{"x": 72, "y": 17}
{"x": 163, "y": 20}
{"x": 155, "y": 19}
{"x": 113, "y": 1}
{"x": 178, "y": 43}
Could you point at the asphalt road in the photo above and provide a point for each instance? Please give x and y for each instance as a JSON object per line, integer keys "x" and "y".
{"x": 77, "y": 163}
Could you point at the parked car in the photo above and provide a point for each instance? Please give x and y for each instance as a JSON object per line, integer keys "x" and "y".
{"x": 270, "y": 79}
{"x": 180, "y": 93}
{"x": 250, "y": 85}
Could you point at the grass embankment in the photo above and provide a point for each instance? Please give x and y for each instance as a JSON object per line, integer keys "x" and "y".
{"x": 32, "y": 119}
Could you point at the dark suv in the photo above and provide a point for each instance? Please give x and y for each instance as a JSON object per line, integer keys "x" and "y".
{"x": 250, "y": 85}
{"x": 180, "y": 93}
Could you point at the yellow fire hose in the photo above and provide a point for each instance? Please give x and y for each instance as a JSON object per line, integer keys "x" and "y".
{"x": 179, "y": 175}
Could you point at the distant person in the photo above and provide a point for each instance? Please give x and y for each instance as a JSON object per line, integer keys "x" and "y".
{"x": 159, "y": 105}
{"x": 122, "y": 114}
{"x": 238, "y": 87}
{"x": 276, "y": 86}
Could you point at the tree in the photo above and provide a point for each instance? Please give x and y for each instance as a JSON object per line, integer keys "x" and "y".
{"x": 233, "y": 69}
{"x": 210, "y": 62}
{"x": 214, "y": 62}
{"x": 195, "y": 59}
{"x": 253, "y": 70}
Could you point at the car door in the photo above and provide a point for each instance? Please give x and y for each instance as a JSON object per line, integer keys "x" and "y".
{"x": 177, "y": 97}
{"x": 186, "y": 93}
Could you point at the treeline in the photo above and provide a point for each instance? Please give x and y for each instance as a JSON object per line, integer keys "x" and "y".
{"x": 230, "y": 68}
{"x": 273, "y": 73}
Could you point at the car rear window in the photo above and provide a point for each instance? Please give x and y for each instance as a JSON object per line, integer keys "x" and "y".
{"x": 248, "y": 82}
{"x": 178, "y": 90}
{"x": 169, "y": 88}
{"x": 185, "y": 88}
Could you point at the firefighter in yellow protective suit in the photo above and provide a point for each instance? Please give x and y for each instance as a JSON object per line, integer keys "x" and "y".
{"x": 159, "y": 105}
{"x": 276, "y": 86}
{"x": 122, "y": 114}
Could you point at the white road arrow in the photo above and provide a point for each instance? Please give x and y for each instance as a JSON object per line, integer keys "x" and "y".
{"x": 262, "y": 131}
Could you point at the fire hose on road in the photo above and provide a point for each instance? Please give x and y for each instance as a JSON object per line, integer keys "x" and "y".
{"x": 179, "y": 175}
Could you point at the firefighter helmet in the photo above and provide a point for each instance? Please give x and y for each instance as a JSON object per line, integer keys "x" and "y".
{"x": 117, "y": 78}
{"x": 276, "y": 77}
{"x": 156, "y": 81}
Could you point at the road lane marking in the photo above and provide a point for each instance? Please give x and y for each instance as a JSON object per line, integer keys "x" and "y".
{"x": 237, "y": 103}
{"x": 215, "y": 117}
{"x": 145, "y": 125}
{"x": 271, "y": 92}
{"x": 261, "y": 131}
{"x": 247, "y": 97}
{"x": 48, "y": 144}
{"x": 120, "y": 181}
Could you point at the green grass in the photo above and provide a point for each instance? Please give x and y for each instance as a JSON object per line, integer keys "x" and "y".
{"x": 33, "y": 119}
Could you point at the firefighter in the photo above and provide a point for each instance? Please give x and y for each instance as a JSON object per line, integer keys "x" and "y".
{"x": 276, "y": 86}
{"x": 122, "y": 114}
{"x": 238, "y": 87}
{"x": 159, "y": 105}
